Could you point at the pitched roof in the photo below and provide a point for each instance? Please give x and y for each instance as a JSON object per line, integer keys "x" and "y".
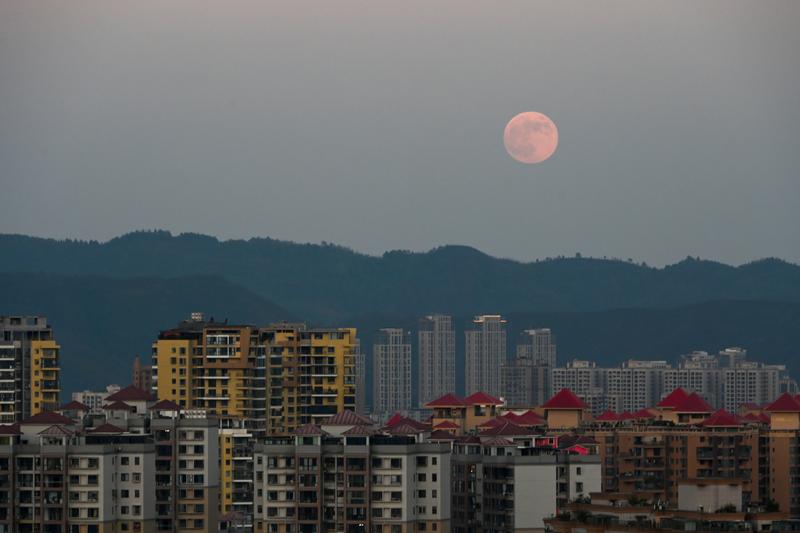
{"x": 493, "y": 422}
{"x": 409, "y": 422}
{"x": 497, "y": 441}
{"x": 48, "y": 418}
{"x": 481, "y": 398}
{"x": 446, "y": 424}
{"x": 673, "y": 398}
{"x": 627, "y": 415}
{"x": 118, "y": 406}
{"x": 131, "y": 393}
{"x": 394, "y": 420}
{"x": 309, "y": 430}
{"x": 448, "y": 400}
{"x": 74, "y": 406}
{"x": 56, "y": 431}
{"x": 721, "y": 418}
{"x": 107, "y": 429}
{"x": 506, "y": 428}
{"x": 9, "y": 429}
{"x": 528, "y": 418}
{"x": 440, "y": 434}
{"x": 643, "y": 413}
{"x": 469, "y": 439}
{"x": 359, "y": 431}
{"x": 165, "y": 405}
{"x": 694, "y": 404}
{"x": 405, "y": 428}
{"x": 564, "y": 399}
{"x": 607, "y": 416}
{"x": 786, "y": 403}
{"x": 751, "y": 405}
{"x": 347, "y": 418}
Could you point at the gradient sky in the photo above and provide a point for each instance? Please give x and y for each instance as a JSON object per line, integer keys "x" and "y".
{"x": 378, "y": 125}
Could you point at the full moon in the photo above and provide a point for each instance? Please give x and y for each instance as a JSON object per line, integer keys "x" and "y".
{"x": 530, "y": 137}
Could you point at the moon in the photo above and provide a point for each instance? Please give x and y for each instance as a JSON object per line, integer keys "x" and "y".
{"x": 530, "y": 137}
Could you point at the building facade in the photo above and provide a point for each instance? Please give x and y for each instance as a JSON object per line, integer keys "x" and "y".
{"x": 526, "y": 380}
{"x": 485, "y": 349}
{"x": 29, "y": 367}
{"x": 437, "y": 358}
{"x": 391, "y": 371}
{"x": 356, "y": 484}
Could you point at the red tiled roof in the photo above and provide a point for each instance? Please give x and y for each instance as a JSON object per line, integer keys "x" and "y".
{"x": 309, "y": 430}
{"x": 165, "y": 405}
{"x": 627, "y": 415}
{"x": 405, "y": 428}
{"x": 643, "y": 413}
{"x": 9, "y": 429}
{"x": 528, "y": 418}
{"x": 469, "y": 439}
{"x": 347, "y": 418}
{"x": 440, "y": 434}
{"x": 481, "y": 398}
{"x": 56, "y": 431}
{"x": 107, "y": 429}
{"x": 118, "y": 406}
{"x": 446, "y": 424}
{"x": 721, "y": 418}
{"x": 74, "y": 406}
{"x": 497, "y": 441}
{"x": 608, "y": 416}
{"x": 448, "y": 400}
{"x": 394, "y": 420}
{"x": 494, "y": 422}
{"x": 409, "y": 422}
{"x": 131, "y": 393}
{"x": 751, "y": 405}
{"x": 694, "y": 404}
{"x": 47, "y": 418}
{"x": 786, "y": 403}
{"x": 564, "y": 399}
{"x": 359, "y": 431}
{"x": 672, "y": 399}
{"x": 506, "y": 428}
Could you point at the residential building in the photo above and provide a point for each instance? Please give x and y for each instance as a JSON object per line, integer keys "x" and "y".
{"x": 502, "y": 486}
{"x": 526, "y": 380}
{"x": 437, "y": 357}
{"x": 95, "y": 400}
{"x": 269, "y": 379}
{"x": 485, "y": 347}
{"x": 726, "y": 380}
{"x": 391, "y": 371}
{"x": 357, "y": 481}
{"x": 29, "y": 367}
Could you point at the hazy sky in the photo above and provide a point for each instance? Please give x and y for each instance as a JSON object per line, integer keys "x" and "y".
{"x": 378, "y": 125}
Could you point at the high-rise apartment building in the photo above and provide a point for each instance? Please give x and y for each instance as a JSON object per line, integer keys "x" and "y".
{"x": 485, "y": 346}
{"x": 29, "y": 367}
{"x": 437, "y": 358}
{"x": 355, "y": 483}
{"x": 139, "y": 466}
{"x": 725, "y": 381}
{"x": 526, "y": 380}
{"x": 269, "y": 379}
{"x": 391, "y": 371}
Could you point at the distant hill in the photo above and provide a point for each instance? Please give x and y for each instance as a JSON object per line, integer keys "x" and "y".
{"x": 101, "y": 323}
{"x": 326, "y": 282}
